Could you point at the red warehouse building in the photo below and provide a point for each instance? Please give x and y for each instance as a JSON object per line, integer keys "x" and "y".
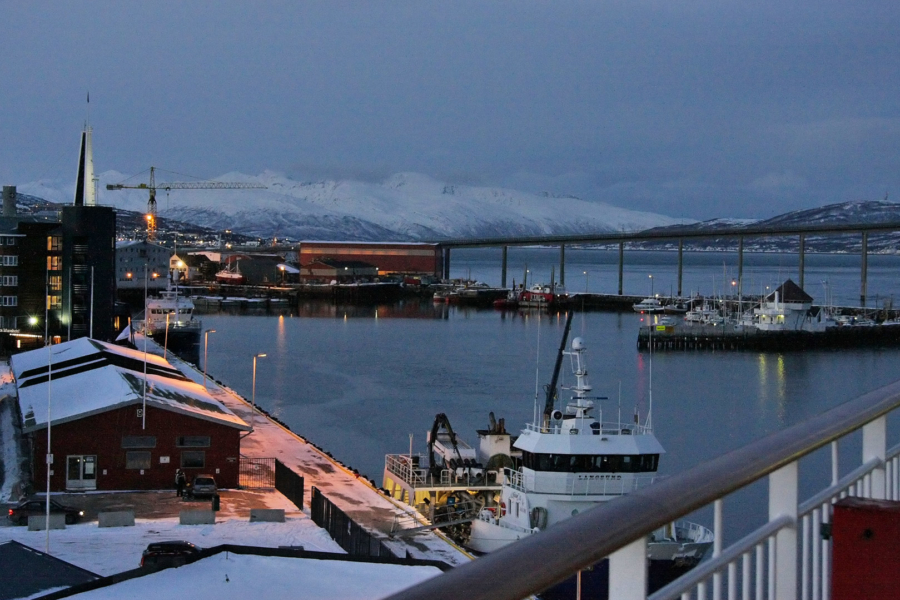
{"x": 110, "y": 431}
{"x": 387, "y": 257}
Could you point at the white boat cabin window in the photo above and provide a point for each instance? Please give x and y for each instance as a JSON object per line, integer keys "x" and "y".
{"x": 586, "y": 463}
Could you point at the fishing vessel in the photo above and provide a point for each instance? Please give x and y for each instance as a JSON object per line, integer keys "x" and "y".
{"x": 572, "y": 460}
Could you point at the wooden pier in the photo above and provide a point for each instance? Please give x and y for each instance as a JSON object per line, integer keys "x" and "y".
{"x": 730, "y": 337}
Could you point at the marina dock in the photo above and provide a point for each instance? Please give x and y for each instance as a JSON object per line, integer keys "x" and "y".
{"x": 719, "y": 337}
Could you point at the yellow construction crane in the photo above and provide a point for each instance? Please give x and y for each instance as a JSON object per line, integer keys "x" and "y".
{"x": 177, "y": 185}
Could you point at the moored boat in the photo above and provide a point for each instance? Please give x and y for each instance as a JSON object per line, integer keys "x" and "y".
{"x": 572, "y": 461}
{"x": 231, "y": 274}
{"x": 648, "y": 305}
{"x": 169, "y": 320}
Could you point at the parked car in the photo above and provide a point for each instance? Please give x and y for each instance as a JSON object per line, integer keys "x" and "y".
{"x": 174, "y": 553}
{"x": 203, "y": 486}
{"x": 19, "y": 514}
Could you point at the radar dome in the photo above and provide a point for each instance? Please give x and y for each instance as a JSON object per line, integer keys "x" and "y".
{"x": 578, "y": 344}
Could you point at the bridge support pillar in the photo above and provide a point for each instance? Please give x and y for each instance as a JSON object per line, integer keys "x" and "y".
{"x": 562, "y": 264}
{"x": 875, "y": 446}
{"x": 783, "y": 494}
{"x": 802, "y": 258}
{"x": 621, "y": 261}
{"x": 628, "y": 571}
{"x": 503, "y": 268}
{"x": 446, "y": 271}
{"x": 864, "y": 271}
{"x": 680, "y": 264}
{"x": 741, "y": 267}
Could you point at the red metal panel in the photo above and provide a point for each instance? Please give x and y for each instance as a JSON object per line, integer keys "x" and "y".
{"x": 102, "y": 434}
{"x": 866, "y": 539}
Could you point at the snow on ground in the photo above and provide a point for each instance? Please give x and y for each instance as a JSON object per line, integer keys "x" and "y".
{"x": 354, "y": 495}
{"x": 111, "y": 550}
{"x": 227, "y": 576}
{"x": 9, "y": 449}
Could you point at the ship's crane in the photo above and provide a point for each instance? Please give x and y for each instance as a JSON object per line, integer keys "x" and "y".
{"x": 177, "y": 185}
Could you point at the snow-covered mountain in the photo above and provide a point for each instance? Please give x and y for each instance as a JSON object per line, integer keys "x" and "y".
{"x": 406, "y": 206}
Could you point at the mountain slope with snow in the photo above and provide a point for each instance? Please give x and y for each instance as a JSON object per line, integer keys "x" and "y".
{"x": 406, "y": 206}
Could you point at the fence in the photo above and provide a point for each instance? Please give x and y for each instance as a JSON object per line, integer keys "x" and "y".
{"x": 344, "y": 530}
{"x": 256, "y": 473}
{"x": 289, "y": 483}
{"x": 783, "y": 559}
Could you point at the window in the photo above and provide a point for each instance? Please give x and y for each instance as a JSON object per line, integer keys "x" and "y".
{"x": 10, "y": 280}
{"x": 139, "y": 441}
{"x": 10, "y": 241}
{"x": 10, "y": 261}
{"x": 10, "y": 300}
{"x": 611, "y": 463}
{"x": 193, "y": 459}
{"x": 137, "y": 460}
{"x": 54, "y": 243}
{"x": 192, "y": 441}
{"x": 54, "y": 263}
{"x": 56, "y": 283}
{"x": 54, "y": 302}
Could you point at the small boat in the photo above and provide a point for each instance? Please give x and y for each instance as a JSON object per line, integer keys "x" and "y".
{"x": 541, "y": 295}
{"x": 648, "y": 305}
{"x": 231, "y": 274}
{"x": 676, "y": 308}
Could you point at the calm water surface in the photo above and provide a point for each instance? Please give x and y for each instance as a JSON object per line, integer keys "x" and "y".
{"x": 358, "y": 386}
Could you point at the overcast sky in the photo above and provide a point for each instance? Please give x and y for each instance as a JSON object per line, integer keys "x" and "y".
{"x": 692, "y": 109}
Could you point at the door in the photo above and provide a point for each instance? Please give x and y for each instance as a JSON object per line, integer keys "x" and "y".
{"x": 81, "y": 472}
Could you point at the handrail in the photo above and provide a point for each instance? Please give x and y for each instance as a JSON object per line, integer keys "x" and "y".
{"x": 703, "y": 571}
{"x": 550, "y": 556}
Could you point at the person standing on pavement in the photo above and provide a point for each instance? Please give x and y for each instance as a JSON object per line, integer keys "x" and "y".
{"x": 180, "y": 480}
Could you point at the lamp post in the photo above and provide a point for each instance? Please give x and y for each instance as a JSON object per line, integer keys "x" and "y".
{"x": 585, "y": 282}
{"x": 281, "y": 267}
{"x": 651, "y": 286}
{"x": 206, "y": 352}
{"x": 253, "y": 396}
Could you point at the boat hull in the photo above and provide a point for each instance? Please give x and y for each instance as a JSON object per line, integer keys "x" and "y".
{"x": 183, "y": 341}
{"x": 595, "y": 581}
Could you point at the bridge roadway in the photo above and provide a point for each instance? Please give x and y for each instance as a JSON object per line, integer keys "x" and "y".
{"x": 679, "y": 234}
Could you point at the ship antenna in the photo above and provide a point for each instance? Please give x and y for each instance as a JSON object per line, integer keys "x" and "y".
{"x": 537, "y": 366}
{"x": 650, "y": 387}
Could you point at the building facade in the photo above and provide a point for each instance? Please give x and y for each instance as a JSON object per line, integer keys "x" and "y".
{"x": 387, "y": 258}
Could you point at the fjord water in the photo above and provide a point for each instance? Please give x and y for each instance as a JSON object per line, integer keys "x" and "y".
{"x": 358, "y": 382}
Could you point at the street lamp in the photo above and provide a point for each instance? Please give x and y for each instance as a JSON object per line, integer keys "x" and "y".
{"x": 585, "y": 282}
{"x": 253, "y": 396}
{"x": 651, "y": 285}
{"x": 205, "y": 352}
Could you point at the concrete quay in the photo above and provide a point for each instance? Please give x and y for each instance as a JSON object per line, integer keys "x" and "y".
{"x": 353, "y": 494}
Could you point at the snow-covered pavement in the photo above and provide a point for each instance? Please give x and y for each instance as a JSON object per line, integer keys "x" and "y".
{"x": 354, "y": 495}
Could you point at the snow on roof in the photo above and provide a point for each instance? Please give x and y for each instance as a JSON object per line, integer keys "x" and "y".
{"x": 230, "y": 576}
{"x": 288, "y": 268}
{"x": 87, "y": 377}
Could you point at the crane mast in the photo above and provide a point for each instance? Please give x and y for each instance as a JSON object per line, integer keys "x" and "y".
{"x": 177, "y": 185}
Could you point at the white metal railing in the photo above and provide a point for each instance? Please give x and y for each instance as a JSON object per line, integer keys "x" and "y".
{"x": 787, "y": 558}
{"x": 580, "y": 484}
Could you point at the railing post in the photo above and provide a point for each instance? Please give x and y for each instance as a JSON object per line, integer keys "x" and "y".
{"x": 628, "y": 571}
{"x": 875, "y": 446}
{"x": 783, "y": 501}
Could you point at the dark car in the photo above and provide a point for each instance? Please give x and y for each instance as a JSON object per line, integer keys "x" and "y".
{"x": 203, "y": 486}
{"x": 174, "y": 553}
{"x": 19, "y": 515}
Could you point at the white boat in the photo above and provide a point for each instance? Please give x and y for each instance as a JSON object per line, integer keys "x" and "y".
{"x": 648, "y": 305}
{"x": 169, "y": 320}
{"x": 572, "y": 461}
{"x": 231, "y": 274}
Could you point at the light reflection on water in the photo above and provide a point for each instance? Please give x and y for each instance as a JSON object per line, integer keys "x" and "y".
{"x": 359, "y": 387}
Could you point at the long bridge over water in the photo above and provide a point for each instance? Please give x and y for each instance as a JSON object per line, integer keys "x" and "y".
{"x": 680, "y": 235}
